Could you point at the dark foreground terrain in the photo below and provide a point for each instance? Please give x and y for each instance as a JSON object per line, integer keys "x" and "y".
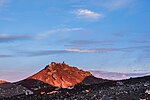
{"x": 59, "y": 81}
{"x": 131, "y": 89}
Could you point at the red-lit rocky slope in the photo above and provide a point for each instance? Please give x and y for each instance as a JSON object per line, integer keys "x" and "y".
{"x": 2, "y": 81}
{"x": 59, "y": 75}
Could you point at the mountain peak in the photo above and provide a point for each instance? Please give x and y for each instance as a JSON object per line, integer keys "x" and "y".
{"x": 55, "y": 67}
{"x": 59, "y": 75}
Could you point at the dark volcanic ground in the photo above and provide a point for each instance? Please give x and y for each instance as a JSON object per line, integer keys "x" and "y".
{"x": 131, "y": 89}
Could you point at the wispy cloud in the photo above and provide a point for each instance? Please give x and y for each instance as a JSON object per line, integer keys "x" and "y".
{"x": 5, "y": 56}
{"x": 141, "y": 41}
{"x": 3, "y": 2}
{"x": 87, "y": 14}
{"x": 137, "y": 47}
{"x": 9, "y": 37}
{"x": 69, "y": 50}
{"x": 100, "y": 50}
{"x": 3, "y": 5}
{"x": 79, "y": 50}
{"x": 6, "y": 18}
{"x": 145, "y": 54}
{"x": 44, "y": 35}
{"x": 116, "y": 4}
{"x": 43, "y": 52}
{"x": 81, "y": 43}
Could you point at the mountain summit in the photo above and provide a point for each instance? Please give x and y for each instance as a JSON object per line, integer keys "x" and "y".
{"x": 58, "y": 75}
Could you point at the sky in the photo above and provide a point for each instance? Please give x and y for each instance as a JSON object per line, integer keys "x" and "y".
{"x": 108, "y": 35}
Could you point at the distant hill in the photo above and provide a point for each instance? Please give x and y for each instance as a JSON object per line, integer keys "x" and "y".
{"x": 116, "y": 75}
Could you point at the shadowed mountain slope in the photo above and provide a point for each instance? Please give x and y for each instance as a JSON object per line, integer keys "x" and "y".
{"x": 8, "y": 89}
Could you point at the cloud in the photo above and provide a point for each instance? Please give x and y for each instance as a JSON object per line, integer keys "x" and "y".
{"x": 43, "y": 35}
{"x": 79, "y": 43}
{"x": 79, "y": 50}
{"x": 87, "y": 14}
{"x": 106, "y": 50}
{"x": 5, "y": 56}
{"x": 101, "y": 50}
{"x": 59, "y": 30}
{"x": 145, "y": 54}
{"x": 6, "y": 18}
{"x": 141, "y": 41}
{"x": 9, "y": 37}
{"x": 70, "y": 50}
{"x": 43, "y": 52}
{"x": 137, "y": 48}
{"x": 3, "y": 5}
{"x": 116, "y": 4}
{"x": 3, "y": 2}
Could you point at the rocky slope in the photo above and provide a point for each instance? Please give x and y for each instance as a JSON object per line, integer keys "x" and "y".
{"x": 8, "y": 89}
{"x": 2, "y": 81}
{"x": 58, "y": 75}
{"x": 131, "y": 89}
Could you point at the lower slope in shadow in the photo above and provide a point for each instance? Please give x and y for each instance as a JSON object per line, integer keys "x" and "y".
{"x": 36, "y": 86}
{"x": 9, "y": 89}
{"x": 137, "y": 80}
{"x": 89, "y": 80}
{"x": 131, "y": 89}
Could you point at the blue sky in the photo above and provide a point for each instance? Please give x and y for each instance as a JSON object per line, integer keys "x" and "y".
{"x": 110, "y": 35}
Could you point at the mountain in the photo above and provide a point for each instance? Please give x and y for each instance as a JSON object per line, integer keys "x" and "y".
{"x": 58, "y": 75}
